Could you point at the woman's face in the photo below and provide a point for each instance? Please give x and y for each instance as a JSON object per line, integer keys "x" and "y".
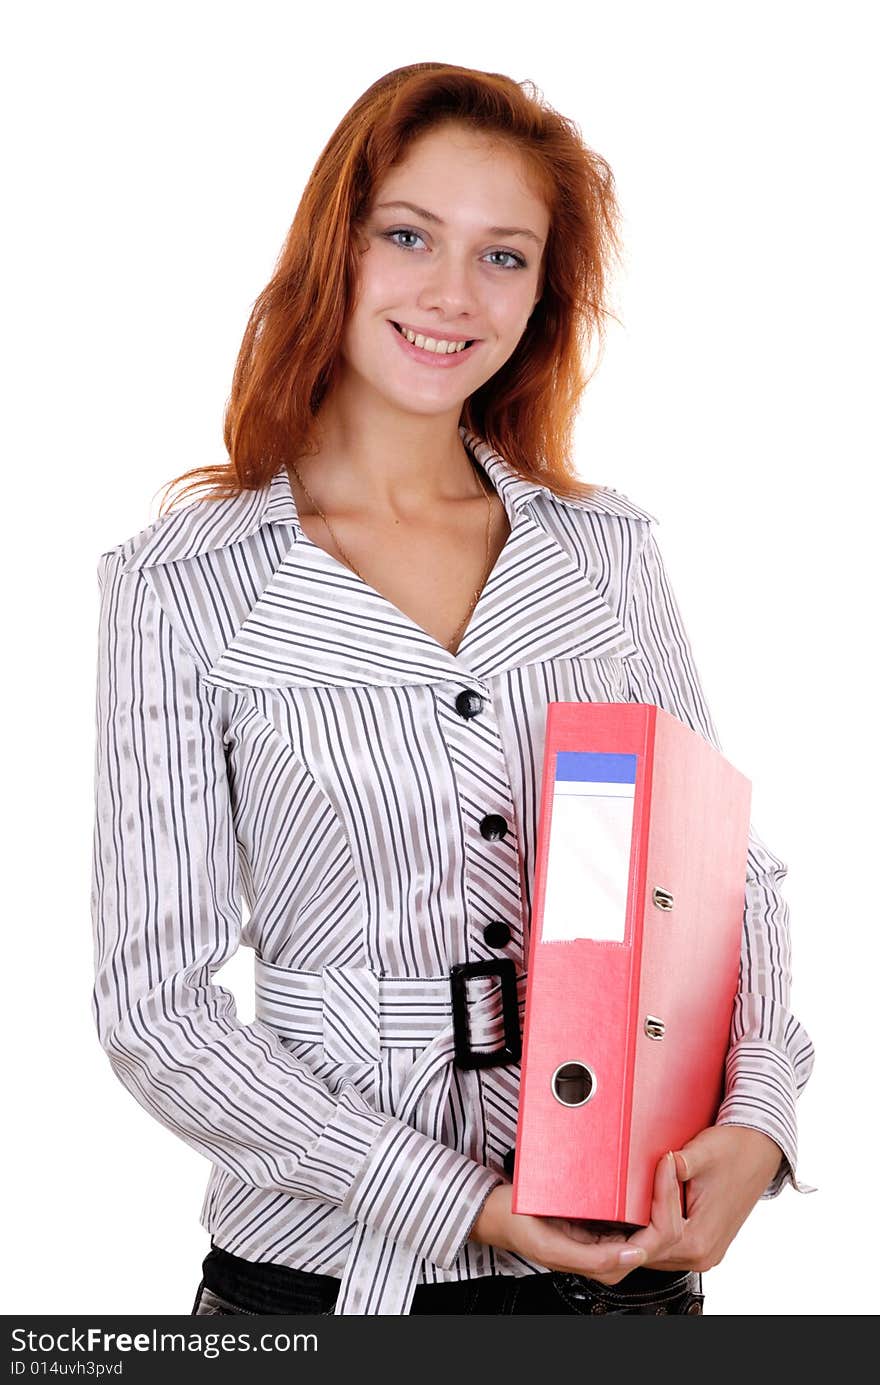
{"x": 461, "y": 261}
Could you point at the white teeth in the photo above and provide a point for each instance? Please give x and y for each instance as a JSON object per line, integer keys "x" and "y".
{"x": 441, "y": 348}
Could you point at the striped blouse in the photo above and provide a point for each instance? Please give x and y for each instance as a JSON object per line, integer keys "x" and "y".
{"x": 272, "y": 732}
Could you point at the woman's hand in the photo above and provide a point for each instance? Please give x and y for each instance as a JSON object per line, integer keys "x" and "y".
{"x": 571, "y": 1246}
{"x": 726, "y": 1169}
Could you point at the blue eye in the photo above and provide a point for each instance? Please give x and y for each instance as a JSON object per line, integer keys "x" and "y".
{"x": 391, "y": 234}
{"x": 518, "y": 261}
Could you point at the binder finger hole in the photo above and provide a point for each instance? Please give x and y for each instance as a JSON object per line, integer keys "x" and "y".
{"x": 573, "y": 1083}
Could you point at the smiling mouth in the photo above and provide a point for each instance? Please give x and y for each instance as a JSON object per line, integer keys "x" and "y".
{"x": 457, "y": 351}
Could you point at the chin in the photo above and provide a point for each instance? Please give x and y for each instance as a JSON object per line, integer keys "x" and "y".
{"x": 427, "y": 408}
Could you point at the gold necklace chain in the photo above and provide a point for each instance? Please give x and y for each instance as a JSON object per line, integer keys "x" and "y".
{"x": 346, "y": 558}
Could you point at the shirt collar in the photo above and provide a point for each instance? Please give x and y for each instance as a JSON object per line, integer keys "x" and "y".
{"x": 205, "y": 525}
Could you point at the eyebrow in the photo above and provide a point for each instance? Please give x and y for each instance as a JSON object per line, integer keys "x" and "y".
{"x": 492, "y": 230}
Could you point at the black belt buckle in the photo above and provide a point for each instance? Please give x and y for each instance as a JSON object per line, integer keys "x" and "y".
{"x": 505, "y": 970}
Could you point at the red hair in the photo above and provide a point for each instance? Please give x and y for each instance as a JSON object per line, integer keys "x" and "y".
{"x": 288, "y": 357}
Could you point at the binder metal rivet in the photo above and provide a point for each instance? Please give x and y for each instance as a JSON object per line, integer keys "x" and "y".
{"x": 654, "y": 1027}
{"x": 663, "y": 899}
{"x": 573, "y": 1084}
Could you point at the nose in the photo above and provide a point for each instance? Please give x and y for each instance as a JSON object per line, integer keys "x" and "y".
{"x": 450, "y": 288}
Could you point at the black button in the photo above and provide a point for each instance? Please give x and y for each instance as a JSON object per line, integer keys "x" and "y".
{"x": 509, "y": 1162}
{"x": 493, "y": 826}
{"x": 496, "y": 933}
{"x": 468, "y": 703}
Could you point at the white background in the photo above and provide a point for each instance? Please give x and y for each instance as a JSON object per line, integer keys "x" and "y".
{"x": 156, "y": 156}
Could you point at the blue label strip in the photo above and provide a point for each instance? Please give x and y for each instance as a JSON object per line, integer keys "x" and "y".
{"x": 595, "y": 766}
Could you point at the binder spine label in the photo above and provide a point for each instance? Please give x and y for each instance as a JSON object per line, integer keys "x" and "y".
{"x": 589, "y": 848}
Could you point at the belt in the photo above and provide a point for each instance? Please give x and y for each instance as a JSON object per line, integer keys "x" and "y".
{"x": 354, "y": 1013}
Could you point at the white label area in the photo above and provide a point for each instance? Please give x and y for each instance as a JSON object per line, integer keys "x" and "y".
{"x": 589, "y": 849}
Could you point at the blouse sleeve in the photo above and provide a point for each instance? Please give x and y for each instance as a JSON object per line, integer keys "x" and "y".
{"x": 771, "y": 1055}
{"x": 166, "y": 915}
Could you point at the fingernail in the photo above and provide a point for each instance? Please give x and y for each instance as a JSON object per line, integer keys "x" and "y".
{"x": 631, "y": 1257}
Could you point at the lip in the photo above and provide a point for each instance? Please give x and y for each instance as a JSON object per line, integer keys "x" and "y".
{"x": 430, "y": 358}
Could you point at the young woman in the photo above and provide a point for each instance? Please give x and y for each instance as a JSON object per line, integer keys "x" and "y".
{"x": 323, "y": 687}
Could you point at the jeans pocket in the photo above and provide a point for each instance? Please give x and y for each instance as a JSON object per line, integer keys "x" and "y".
{"x": 233, "y": 1285}
{"x": 208, "y": 1303}
{"x": 673, "y": 1295}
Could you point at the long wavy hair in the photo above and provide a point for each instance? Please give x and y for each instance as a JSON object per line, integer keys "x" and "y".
{"x": 290, "y": 351}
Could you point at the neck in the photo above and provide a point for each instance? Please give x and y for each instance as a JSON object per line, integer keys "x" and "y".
{"x": 386, "y": 463}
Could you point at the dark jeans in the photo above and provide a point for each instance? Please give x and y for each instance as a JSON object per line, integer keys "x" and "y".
{"x": 232, "y": 1285}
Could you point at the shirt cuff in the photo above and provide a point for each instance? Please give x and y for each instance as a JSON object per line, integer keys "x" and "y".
{"x": 761, "y": 1093}
{"x": 419, "y": 1191}
{"x": 345, "y": 1144}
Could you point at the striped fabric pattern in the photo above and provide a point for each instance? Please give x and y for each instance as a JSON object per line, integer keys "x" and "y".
{"x": 280, "y": 763}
